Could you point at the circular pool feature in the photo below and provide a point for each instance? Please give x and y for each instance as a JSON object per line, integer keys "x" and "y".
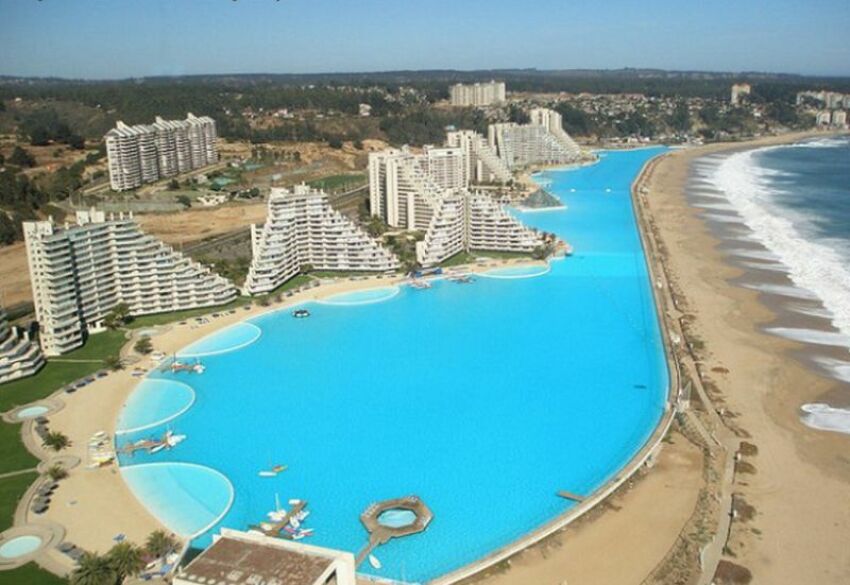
{"x": 517, "y": 272}
{"x": 20, "y": 546}
{"x": 396, "y": 518}
{"x": 32, "y": 412}
{"x": 362, "y": 297}
{"x": 154, "y": 402}
{"x": 228, "y": 339}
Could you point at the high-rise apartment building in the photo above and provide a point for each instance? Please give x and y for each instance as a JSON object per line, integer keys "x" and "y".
{"x": 19, "y": 356}
{"x": 739, "y": 90}
{"x": 303, "y": 229}
{"x": 147, "y": 152}
{"x": 482, "y": 163}
{"x": 478, "y": 94}
{"x": 80, "y": 272}
{"x": 464, "y": 222}
{"x": 542, "y": 141}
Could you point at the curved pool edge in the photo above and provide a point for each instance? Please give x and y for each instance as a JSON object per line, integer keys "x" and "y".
{"x": 153, "y": 512}
{"x": 184, "y": 354}
{"x": 158, "y": 422}
{"x": 517, "y": 272}
{"x": 634, "y": 464}
{"x": 337, "y": 300}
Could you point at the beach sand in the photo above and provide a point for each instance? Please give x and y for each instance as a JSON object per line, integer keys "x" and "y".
{"x": 799, "y": 482}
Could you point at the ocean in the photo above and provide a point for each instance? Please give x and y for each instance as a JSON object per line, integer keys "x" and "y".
{"x": 789, "y": 208}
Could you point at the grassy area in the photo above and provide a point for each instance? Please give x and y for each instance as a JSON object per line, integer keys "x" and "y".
{"x": 30, "y": 574}
{"x": 458, "y": 259}
{"x": 11, "y": 491}
{"x": 165, "y": 318}
{"x": 13, "y": 455}
{"x": 341, "y": 273}
{"x": 501, "y": 255}
{"x": 344, "y": 182}
{"x": 61, "y": 371}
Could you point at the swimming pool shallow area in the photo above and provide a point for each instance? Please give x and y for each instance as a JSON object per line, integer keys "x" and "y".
{"x": 154, "y": 402}
{"x": 32, "y": 412}
{"x": 483, "y": 400}
{"x": 397, "y": 517}
{"x": 229, "y": 339}
{"x": 517, "y": 272}
{"x": 189, "y": 499}
{"x": 20, "y": 546}
{"x": 363, "y": 297}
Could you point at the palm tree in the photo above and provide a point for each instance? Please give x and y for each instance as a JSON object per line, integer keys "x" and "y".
{"x": 113, "y": 362}
{"x": 93, "y": 569}
{"x": 56, "y": 440}
{"x": 126, "y": 559}
{"x": 160, "y": 543}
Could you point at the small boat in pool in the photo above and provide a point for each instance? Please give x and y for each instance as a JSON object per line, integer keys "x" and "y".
{"x": 300, "y": 313}
{"x": 420, "y": 284}
{"x": 373, "y": 560}
{"x": 273, "y": 471}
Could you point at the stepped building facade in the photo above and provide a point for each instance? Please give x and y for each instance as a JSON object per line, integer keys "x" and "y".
{"x": 481, "y": 162}
{"x": 148, "y": 152}
{"x": 542, "y": 141}
{"x": 19, "y": 356}
{"x": 80, "y": 272}
{"x": 303, "y": 229}
{"x": 464, "y": 222}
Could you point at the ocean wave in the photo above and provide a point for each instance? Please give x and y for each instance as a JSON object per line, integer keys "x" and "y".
{"x": 812, "y": 265}
{"x": 822, "y": 143}
{"x": 826, "y": 418}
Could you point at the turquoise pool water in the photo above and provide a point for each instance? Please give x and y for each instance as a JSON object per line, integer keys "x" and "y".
{"x": 363, "y": 297}
{"x": 229, "y": 339}
{"x": 154, "y": 402}
{"x": 31, "y": 412}
{"x": 19, "y": 546}
{"x": 517, "y": 272}
{"x": 483, "y": 399}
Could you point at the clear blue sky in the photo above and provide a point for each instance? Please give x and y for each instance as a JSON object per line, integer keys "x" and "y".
{"x": 130, "y": 38}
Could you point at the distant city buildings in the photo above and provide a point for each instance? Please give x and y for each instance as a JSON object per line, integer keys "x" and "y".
{"x": 831, "y": 100}
{"x": 478, "y": 94}
{"x": 248, "y": 558}
{"x": 19, "y": 356}
{"x": 739, "y": 90}
{"x": 831, "y": 119}
{"x": 80, "y": 272}
{"x": 148, "y": 152}
{"x": 542, "y": 141}
{"x": 303, "y": 229}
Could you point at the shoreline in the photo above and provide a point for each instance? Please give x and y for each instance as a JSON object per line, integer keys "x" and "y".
{"x": 794, "y": 485}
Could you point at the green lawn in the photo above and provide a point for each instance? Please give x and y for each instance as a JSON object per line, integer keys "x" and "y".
{"x": 30, "y": 574}
{"x": 458, "y": 259}
{"x": 59, "y": 371}
{"x": 497, "y": 254}
{"x": 11, "y": 491}
{"x": 165, "y": 318}
{"x": 13, "y": 455}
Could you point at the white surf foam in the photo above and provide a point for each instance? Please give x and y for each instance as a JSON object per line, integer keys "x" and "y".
{"x": 782, "y": 290}
{"x": 826, "y": 418}
{"x": 812, "y": 265}
{"x": 821, "y": 312}
{"x": 720, "y": 218}
{"x": 771, "y": 266}
{"x": 815, "y": 336}
{"x": 716, "y": 206}
{"x": 754, "y": 254}
{"x": 839, "y": 369}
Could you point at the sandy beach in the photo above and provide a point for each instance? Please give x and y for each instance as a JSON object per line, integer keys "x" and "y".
{"x": 798, "y": 482}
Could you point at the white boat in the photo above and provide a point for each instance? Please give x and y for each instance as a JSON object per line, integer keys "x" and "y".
{"x": 279, "y": 513}
{"x": 294, "y": 502}
{"x": 172, "y": 440}
{"x": 158, "y": 448}
{"x": 267, "y": 474}
{"x": 373, "y": 560}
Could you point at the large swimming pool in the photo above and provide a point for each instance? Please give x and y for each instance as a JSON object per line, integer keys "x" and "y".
{"x": 482, "y": 399}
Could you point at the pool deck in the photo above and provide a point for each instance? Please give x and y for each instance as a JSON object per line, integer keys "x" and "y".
{"x": 381, "y": 534}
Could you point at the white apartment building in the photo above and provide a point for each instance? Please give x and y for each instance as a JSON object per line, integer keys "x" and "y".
{"x": 303, "y": 229}
{"x": 401, "y": 189}
{"x": 482, "y": 164}
{"x": 739, "y": 90}
{"x": 148, "y": 152}
{"x": 19, "y": 357}
{"x": 466, "y": 221}
{"x": 542, "y": 141}
{"x": 80, "y": 272}
{"x": 478, "y": 94}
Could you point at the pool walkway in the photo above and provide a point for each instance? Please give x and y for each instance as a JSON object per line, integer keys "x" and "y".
{"x": 381, "y": 533}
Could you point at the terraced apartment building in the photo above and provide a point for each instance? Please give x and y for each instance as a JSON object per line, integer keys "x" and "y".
{"x": 464, "y": 222}
{"x": 482, "y": 163}
{"x": 543, "y": 141}
{"x": 148, "y": 152}
{"x": 19, "y": 356}
{"x": 303, "y": 229}
{"x": 81, "y": 271}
